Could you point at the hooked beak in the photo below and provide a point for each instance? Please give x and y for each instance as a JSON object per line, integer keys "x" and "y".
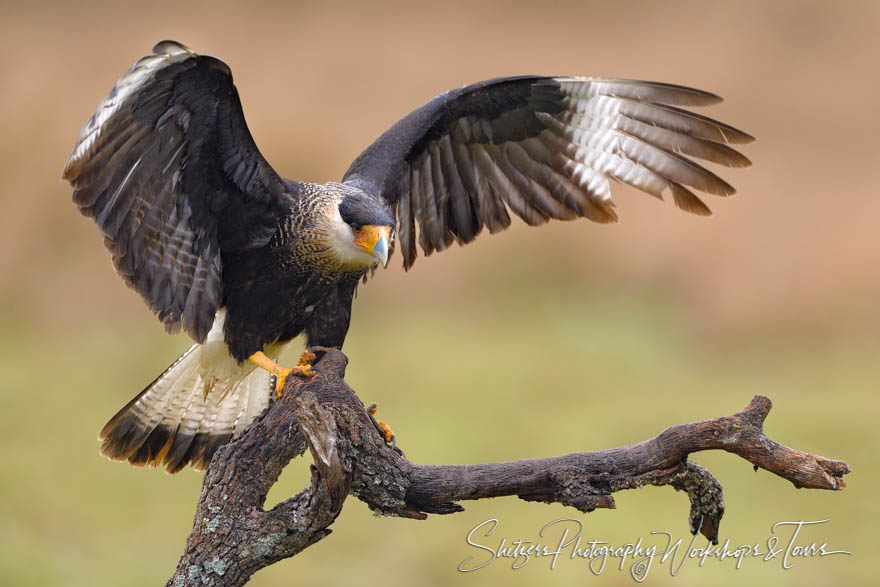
{"x": 374, "y": 240}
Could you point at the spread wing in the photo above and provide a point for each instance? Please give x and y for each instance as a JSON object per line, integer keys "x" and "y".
{"x": 543, "y": 147}
{"x": 170, "y": 173}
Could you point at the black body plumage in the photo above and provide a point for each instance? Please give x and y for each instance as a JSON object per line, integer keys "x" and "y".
{"x": 293, "y": 284}
{"x": 212, "y": 237}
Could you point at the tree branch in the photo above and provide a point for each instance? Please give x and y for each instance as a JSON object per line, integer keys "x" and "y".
{"x": 233, "y": 536}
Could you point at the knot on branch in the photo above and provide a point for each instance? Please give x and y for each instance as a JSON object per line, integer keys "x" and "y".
{"x": 573, "y": 488}
{"x": 704, "y": 492}
{"x": 319, "y": 425}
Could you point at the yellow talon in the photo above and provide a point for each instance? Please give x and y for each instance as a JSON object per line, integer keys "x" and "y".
{"x": 306, "y": 358}
{"x": 387, "y": 432}
{"x": 302, "y": 369}
{"x": 279, "y": 382}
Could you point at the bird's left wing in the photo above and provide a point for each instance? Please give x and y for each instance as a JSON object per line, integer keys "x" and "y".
{"x": 170, "y": 173}
{"x": 543, "y": 147}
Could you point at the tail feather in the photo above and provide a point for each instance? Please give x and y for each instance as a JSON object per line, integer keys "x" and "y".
{"x": 172, "y": 422}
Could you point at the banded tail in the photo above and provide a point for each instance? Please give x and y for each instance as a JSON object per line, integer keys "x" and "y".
{"x": 182, "y": 418}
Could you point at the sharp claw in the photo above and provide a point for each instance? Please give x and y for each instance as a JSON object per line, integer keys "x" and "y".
{"x": 304, "y": 371}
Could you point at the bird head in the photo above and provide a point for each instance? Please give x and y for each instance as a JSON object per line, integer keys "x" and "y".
{"x": 367, "y": 231}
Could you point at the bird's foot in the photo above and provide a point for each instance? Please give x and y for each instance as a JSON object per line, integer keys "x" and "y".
{"x": 383, "y": 428}
{"x": 302, "y": 369}
{"x": 306, "y": 358}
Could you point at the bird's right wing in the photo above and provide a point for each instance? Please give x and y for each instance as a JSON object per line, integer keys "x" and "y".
{"x": 170, "y": 173}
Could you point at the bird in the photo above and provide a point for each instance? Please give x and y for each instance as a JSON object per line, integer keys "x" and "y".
{"x": 242, "y": 260}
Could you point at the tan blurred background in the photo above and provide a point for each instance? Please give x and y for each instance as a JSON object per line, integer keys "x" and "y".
{"x": 531, "y": 343}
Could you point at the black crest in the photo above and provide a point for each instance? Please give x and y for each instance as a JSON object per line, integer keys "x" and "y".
{"x": 358, "y": 210}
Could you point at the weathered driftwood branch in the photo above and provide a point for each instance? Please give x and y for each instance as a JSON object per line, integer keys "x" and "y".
{"x": 233, "y": 537}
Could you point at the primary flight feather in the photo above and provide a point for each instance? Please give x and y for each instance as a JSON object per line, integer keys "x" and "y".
{"x": 243, "y": 260}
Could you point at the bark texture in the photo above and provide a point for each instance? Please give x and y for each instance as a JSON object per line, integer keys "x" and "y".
{"x": 233, "y": 536}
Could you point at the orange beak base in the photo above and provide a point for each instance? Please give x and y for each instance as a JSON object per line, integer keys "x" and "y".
{"x": 374, "y": 240}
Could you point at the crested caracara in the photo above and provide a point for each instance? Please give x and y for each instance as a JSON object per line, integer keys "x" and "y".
{"x": 221, "y": 246}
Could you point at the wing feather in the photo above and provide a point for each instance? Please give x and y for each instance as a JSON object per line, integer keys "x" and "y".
{"x": 489, "y": 190}
{"x": 464, "y": 226}
{"x": 406, "y": 224}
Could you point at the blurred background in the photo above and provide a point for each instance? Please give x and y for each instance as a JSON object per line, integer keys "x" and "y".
{"x": 535, "y": 342}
